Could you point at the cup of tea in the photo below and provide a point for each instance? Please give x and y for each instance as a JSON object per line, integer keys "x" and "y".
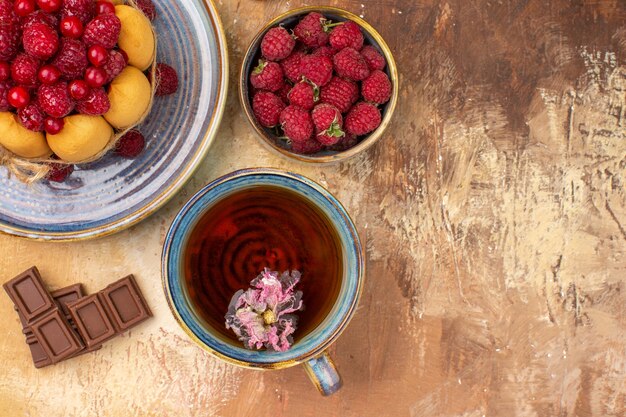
{"x": 253, "y": 219}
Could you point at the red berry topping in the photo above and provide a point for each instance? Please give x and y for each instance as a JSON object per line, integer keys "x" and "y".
{"x": 5, "y": 71}
{"x": 95, "y": 104}
{"x": 24, "y": 7}
{"x": 59, "y": 172}
{"x": 350, "y": 64}
{"x": 49, "y": 5}
{"x": 167, "y": 80}
{"x": 55, "y": 100}
{"x": 131, "y": 144}
{"x": 147, "y": 7}
{"x": 103, "y": 7}
{"x": 71, "y": 59}
{"x": 325, "y": 51}
{"x": 267, "y": 76}
{"x": 345, "y": 142}
{"x": 124, "y": 54}
{"x": 311, "y": 30}
{"x": 9, "y": 31}
{"x": 40, "y": 40}
{"x": 283, "y": 93}
{"x": 40, "y": 16}
{"x": 97, "y": 55}
{"x": 277, "y": 44}
{"x": 267, "y": 108}
{"x": 18, "y": 97}
{"x": 341, "y": 93}
{"x": 53, "y": 126}
{"x": 304, "y": 95}
{"x": 376, "y": 88}
{"x": 5, "y": 86}
{"x": 308, "y": 147}
{"x": 375, "y": 60}
{"x": 362, "y": 119}
{"x": 115, "y": 64}
{"x": 95, "y": 77}
{"x": 317, "y": 69}
{"x": 296, "y": 123}
{"x": 103, "y": 30}
{"x": 78, "y": 89}
{"x": 49, "y": 74}
{"x": 24, "y": 70}
{"x": 84, "y": 9}
{"x": 291, "y": 66}
{"x": 72, "y": 27}
{"x": 31, "y": 117}
{"x": 346, "y": 35}
{"x": 328, "y": 124}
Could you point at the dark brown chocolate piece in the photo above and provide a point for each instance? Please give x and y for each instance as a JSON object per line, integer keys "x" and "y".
{"x": 66, "y": 295}
{"x": 40, "y": 358}
{"x": 125, "y": 303}
{"x": 29, "y": 294}
{"x": 92, "y": 320}
{"x": 55, "y": 336}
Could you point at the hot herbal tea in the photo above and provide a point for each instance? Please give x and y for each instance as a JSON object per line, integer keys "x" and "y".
{"x": 256, "y": 228}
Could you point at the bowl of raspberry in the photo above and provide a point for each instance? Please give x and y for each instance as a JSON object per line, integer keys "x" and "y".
{"x": 318, "y": 84}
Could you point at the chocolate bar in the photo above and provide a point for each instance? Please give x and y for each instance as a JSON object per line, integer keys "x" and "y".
{"x": 66, "y": 295}
{"x": 55, "y": 336}
{"x": 29, "y": 294}
{"x": 92, "y": 320}
{"x": 40, "y": 357}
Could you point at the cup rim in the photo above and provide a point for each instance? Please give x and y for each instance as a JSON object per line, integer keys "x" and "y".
{"x": 330, "y": 334}
{"x": 370, "y": 139}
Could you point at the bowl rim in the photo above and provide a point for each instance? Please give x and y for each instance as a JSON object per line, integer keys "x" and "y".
{"x": 342, "y": 155}
{"x": 172, "y": 189}
{"x": 355, "y": 296}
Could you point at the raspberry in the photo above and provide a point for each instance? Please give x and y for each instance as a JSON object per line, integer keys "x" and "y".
{"x": 376, "y": 88}
{"x": 40, "y": 40}
{"x": 267, "y": 76}
{"x": 350, "y": 64}
{"x": 103, "y": 30}
{"x": 147, "y": 7}
{"x": 55, "y": 99}
{"x": 9, "y": 31}
{"x": 346, "y": 35}
{"x": 375, "y": 60}
{"x": 277, "y": 44}
{"x": 24, "y": 70}
{"x": 283, "y": 93}
{"x": 304, "y": 95}
{"x": 291, "y": 66}
{"x": 341, "y": 93}
{"x": 114, "y": 65}
{"x": 131, "y": 144}
{"x": 362, "y": 119}
{"x": 296, "y": 123}
{"x": 307, "y": 147}
{"x": 71, "y": 59}
{"x": 317, "y": 69}
{"x": 267, "y": 108}
{"x": 5, "y": 86}
{"x": 328, "y": 124}
{"x": 311, "y": 30}
{"x": 40, "y": 16}
{"x": 95, "y": 104}
{"x": 167, "y": 80}
{"x": 59, "y": 172}
{"x": 31, "y": 117}
{"x": 345, "y": 142}
{"x": 325, "y": 51}
{"x": 85, "y": 10}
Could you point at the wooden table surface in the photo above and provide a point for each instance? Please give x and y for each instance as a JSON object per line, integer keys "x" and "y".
{"x": 494, "y": 216}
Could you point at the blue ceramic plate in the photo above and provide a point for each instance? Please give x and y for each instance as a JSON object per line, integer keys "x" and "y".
{"x": 114, "y": 193}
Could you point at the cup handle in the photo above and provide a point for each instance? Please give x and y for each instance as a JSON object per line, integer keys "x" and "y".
{"x": 323, "y": 372}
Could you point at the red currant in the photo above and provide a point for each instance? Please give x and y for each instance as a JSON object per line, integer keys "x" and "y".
{"x": 5, "y": 71}
{"x": 18, "y": 97}
{"x": 24, "y": 7}
{"x": 105, "y": 7}
{"x": 49, "y": 5}
{"x": 95, "y": 77}
{"x": 98, "y": 55}
{"x": 53, "y": 126}
{"x": 49, "y": 74}
{"x": 72, "y": 27}
{"x": 124, "y": 54}
{"x": 78, "y": 89}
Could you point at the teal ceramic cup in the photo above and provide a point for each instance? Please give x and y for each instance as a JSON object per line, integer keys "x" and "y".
{"x": 311, "y": 349}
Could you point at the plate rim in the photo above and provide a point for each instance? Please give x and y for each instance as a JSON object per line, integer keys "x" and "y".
{"x": 166, "y": 195}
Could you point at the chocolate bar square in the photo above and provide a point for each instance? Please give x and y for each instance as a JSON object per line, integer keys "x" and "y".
{"x": 124, "y": 303}
{"x": 66, "y": 295}
{"x": 29, "y": 294}
{"x": 92, "y": 320}
{"x": 55, "y": 336}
